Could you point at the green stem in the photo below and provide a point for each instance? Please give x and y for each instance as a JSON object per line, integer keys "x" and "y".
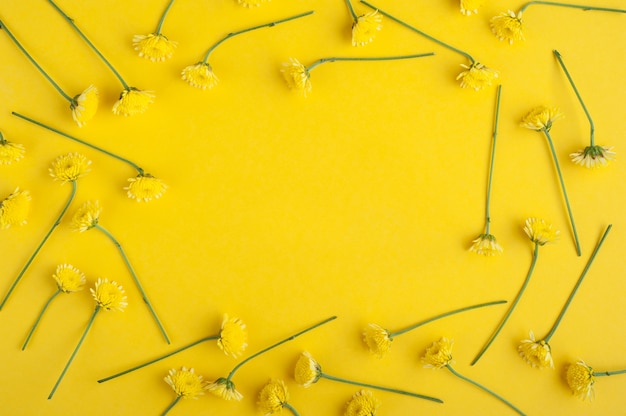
{"x": 166, "y": 411}
{"x": 381, "y": 58}
{"x": 573, "y": 6}
{"x": 291, "y": 408}
{"x": 467, "y": 308}
{"x": 569, "y": 209}
{"x": 609, "y": 373}
{"x": 352, "y": 12}
{"x": 462, "y": 377}
{"x": 91, "y": 45}
{"x": 580, "y": 99}
{"x": 408, "y": 26}
{"x": 270, "y": 24}
{"x": 578, "y": 283}
{"x": 137, "y": 283}
{"x": 32, "y": 330}
{"x": 372, "y": 386}
{"x": 32, "y": 257}
{"x": 513, "y": 305}
{"x": 32, "y": 60}
{"x": 162, "y": 20}
{"x": 232, "y": 373}
{"x": 82, "y": 338}
{"x": 493, "y": 158}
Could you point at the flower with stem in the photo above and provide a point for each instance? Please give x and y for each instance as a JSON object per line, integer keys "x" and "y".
{"x": 108, "y": 296}
{"x": 540, "y": 233}
{"x": 10, "y": 152}
{"x": 362, "y": 403}
{"x": 87, "y": 216}
{"x": 14, "y": 208}
{"x": 67, "y": 169}
{"x": 308, "y": 372}
{"x": 274, "y": 397}
{"x": 224, "y": 387}
{"x": 593, "y": 155}
{"x": 201, "y": 75}
{"x": 581, "y": 379}
{"x": 541, "y": 119}
{"x": 186, "y": 384}
{"x": 156, "y": 46}
{"x": 132, "y": 100}
{"x": 364, "y": 27}
{"x": 69, "y": 280}
{"x": 378, "y": 340}
{"x": 476, "y": 75}
{"x": 470, "y": 6}
{"x": 538, "y": 353}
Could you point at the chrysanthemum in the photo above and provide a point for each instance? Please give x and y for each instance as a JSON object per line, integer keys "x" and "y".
{"x": 84, "y": 105}
{"x": 363, "y": 403}
{"x": 487, "y": 245}
{"x": 155, "y": 46}
{"x": 308, "y": 371}
{"x": 133, "y": 101}
{"x": 540, "y": 232}
{"x": 200, "y": 75}
{"x": 581, "y": 379}
{"x": 186, "y": 383}
{"x": 69, "y": 167}
{"x": 251, "y": 3}
{"x": 377, "y": 340}
{"x": 536, "y": 353}
{"x": 225, "y": 389}
{"x": 14, "y": 208}
{"x": 86, "y": 216}
{"x": 366, "y": 27}
{"x": 233, "y": 338}
{"x": 10, "y": 152}
{"x": 273, "y": 397}
{"x": 540, "y": 118}
{"x": 508, "y": 26}
{"x": 593, "y": 156}
{"x": 471, "y": 6}
{"x": 109, "y": 295}
{"x": 69, "y": 279}
{"x": 477, "y": 76}
{"x": 439, "y": 354}
{"x": 145, "y": 187}
{"x": 297, "y": 76}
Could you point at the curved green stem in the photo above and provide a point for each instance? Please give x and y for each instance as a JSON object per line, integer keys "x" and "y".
{"x": 381, "y": 58}
{"x": 43, "y": 310}
{"x": 573, "y": 6}
{"x": 136, "y": 279}
{"x": 491, "y": 164}
{"x": 351, "y": 9}
{"x": 508, "y": 313}
{"x": 32, "y": 60}
{"x": 291, "y": 409}
{"x": 427, "y": 36}
{"x": 388, "y": 389}
{"x": 578, "y": 283}
{"x": 166, "y": 411}
{"x": 162, "y": 20}
{"x": 462, "y": 377}
{"x": 80, "y": 342}
{"x": 91, "y": 45}
{"x": 291, "y": 338}
{"x": 45, "y": 238}
{"x": 239, "y": 32}
{"x": 609, "y": 373}
{"x": 569, "y": 209}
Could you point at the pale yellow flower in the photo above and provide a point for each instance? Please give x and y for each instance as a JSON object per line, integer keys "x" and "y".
{"x": 297, "y": 76}
{"x": 109, "y": 295}
{"x": 541, "y": 118}
{"x": 233, "y": 338}
{"x": 186, "y": 383}
{"x": 470, "y": 6}
{"x": 84, "y": 105}
{"x": 69, "y": 167}
{"x": 377, "y": 340}
{"x": 155, "y": 46}
{"x": 251, "y": 3}
{"x": 536, "y": 353}
{"x": 273, "y": 397}
{"x": 86, "y": 216}
{"x": 593, "y": 156}
{"x": 581, "y": 379}
{"x": 540, "y": 232}
{"x": 477, "y": 76}
{"x": 363, "y": 403}
{"x": 439, "y": 354}
{"x": 487, "y": 245}
{"x": 69, "y": 279}
{"x": 225, "y": 389}
{"x": 133, "y": 101}
{"x": 145, "y": 187}
{"x": 14, "y": 208}
{"x": 508, "y": 26}
{"x": 200, "y": 75}
{"x": 10, "y": 152}
{"x": 366, "y": 27}
{"x": 307, "y": 371}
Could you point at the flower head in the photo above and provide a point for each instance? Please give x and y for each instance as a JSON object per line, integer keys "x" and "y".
{"x": 69, "y": 167}
{"x": 365, "y": 28}
{"x": 477, "y": 76}
{"x": 84, "y": 105}
{"x": 109, "y": 295}
{"x": 377, "y": 340}
{"x": 133, "y": 101}
{"x": 273, "y": 397}
{"x": 540, "y": 232}
{"x": 363, "y": 403}
{"x": 439, "y": 354}
{"x": 154, "y": 46}
{"x": 540, "y": 118}
{"x": 69, "y": 279}
{"x": 487, "y": 245}
{"x": 10, "y": 152}
{"x": 470, "y": 6}
{"x": 536, "y": 353}
{"x": 225, "y": 389}
{"x": 593, "y": 156}
{"x": 308, "y": 371}
{"x": 297, "y": 76}
{"x": 580, "y": 379}
{"x": 200, "y": 75}
{"x": 251, "y": 3}
{"x": 14, "y": 208}
{"x": 186, "y": 383}
{"x": 145, "y": 187}
{"x": 508, "y": 27}
{"x": 233, "y": 338}
{"x": 86, "y": 216}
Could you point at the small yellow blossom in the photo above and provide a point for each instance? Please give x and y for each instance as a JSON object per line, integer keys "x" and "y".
{"x": 69, "y": 167}
{"x": 109, "y": 295}
{"x": 200, "y": 75}
{"x": 536, "y": 353}
{"x": 273, "y": 397}
{"x": 471, "y": 6}
{"x": 363, "y": 403}
{"x": 133, "y": 101}
{"x": 477, "y": 76}
{"x": 580, "y": 379}
{"x": 487, "y": 245}
{"x": 508, "y": 27}
{"x": 225, "y": 389}
{"x": 10, "y": 152}
{"x": 307, "y": 371}
{"x": 145, "y": 187}
{"x": 439, "y": 354}
{"x": 366, "y": 27}
{"x": 86, "y": 216}
{"x": 84, "y": 105}
{"x": 593, "y": 156}
{"x": 186, "y": 383}
{"x": 540, "y": 232}
{"x": 540, "y": 118}
{"x": 377, "y": 340}
{"x": 14, "y": 208}
{"x": 251, "y": 3}
{"x": 155, "y": 46}
{"x": 297, "y": 76}
{"x": 233, "y": 338}
{"x": 69, "y": 279}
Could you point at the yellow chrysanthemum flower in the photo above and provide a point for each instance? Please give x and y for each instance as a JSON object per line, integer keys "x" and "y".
{"x": 536, "y": 353}
{"x": 540, "y": 118}
{"x": 366, "y": 27}
{"x": 69, "y": 279}
{"x": 273, "y": 397}
{"x": 69, "y": 167}
{"x": 471, "y": 6}
{"x": 593, "y": 156}
{"x": 487, "y": 245}
{"x": 155, "y": 46}
{"x": 14, "y": 208}
{"x": 508, "y": 27}
{"x": 540, "y": 232}
{"x": 580, "y": 379}
{"x": 307, "y": 371}
{"x": 297, "y": 76}
{"x": 200, "y": 75}
{"x": 109, "y": 295}
{"x": 84, "y": 105}
{"x": 10, "y": 152}
{"x": 439, "y": 354}
{"x": 363, "y": 403}
{"x": 133, "y": 101}
{"x": 377, "y": 340}
{"x": 86, "y": 216}
{"x": 225, "y": 389}
{"x": 145, "y": 187}
{"x": 477, "y": 76}
{"x": 251, "y": 3}
{"x": 233, "y": 338}
{"x": 186, "y": 383}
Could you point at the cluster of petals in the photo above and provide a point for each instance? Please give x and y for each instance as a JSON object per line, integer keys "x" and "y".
{"x": 439, "y": 354}
{"x": 224, "y": 388}
{"x": 477, "y": 76}
{"x": 109, "y": 295}
{"x": 307, "y": 371}
{"x": 84, "y": 105}
{"x": 86, "y": 216}
{"x": 593, "y": 156}
{"x": 536, "y": 353}
{"x": 486, "y": 245}
{"x": 468, "y": 7}
{"x": 69, "y": 167}
{"x": 233, "y": 339}
{"x": 366, "y": 27}
{"x": 68, "y": 278}
{"x": 155, "y": 46}
{"x": 541, "y": 118}
{"x": 10, "y": 152}
{"x": 186, "y": 383}
{"x": 273, "y": 397}
{"x": 362, "y": 403}
{"x": 508, "y": 26}
{"x": 14, "y": 208}
{"x": 540, "y": 232}
{"x": 145, "y": 187}
{"x": 200, "y": 75}
{"x": 377, "y": 339}
{"x": 297, "y": 76}
{"x": 580, "y": 379}
{"x": 133, "y": 101}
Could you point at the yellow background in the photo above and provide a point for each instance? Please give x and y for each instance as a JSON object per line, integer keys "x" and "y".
{"x": 359, "y": 201}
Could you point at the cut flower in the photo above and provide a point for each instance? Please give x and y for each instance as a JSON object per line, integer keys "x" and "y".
{"x": 508, "y": 26}
{"x": 233, "y": 338}
{"x": 486, "y": 245}
{"x": 362, "y": 403}
{"x": 470, "y": 6}
{"x": 133, "y": 101}
{"x": 68, "y": 278}
{"x": 297, "y": 76}
{"x": 109, "y": 295}
{"x": 540, "y": 232}
{"x": 10, "y": 152}
{"x": 439, "y": 354}
{"x": 273, "y": 397}
{"x": 155, "y": 46}
{"x": 477, "y": 76}
{"x": 541, "y": 118}
{"x": 87, "y": 216}
{"x": 14, "y": 208}
{"x": 145, "y": 187}
{"x": 580, "y": 379}
{"x": 593, "y": 156}
{"x": 307, "y": 371}
{"x": 84, "y": 105}
{"x": 366, "y": 27}
{"x": 186, "y": 383}
{"x": 536, "y": 353}
{"x": 377, "y": 339}
{"x": 224, "y": 388}
{"x": 200, "y": 75}
{"x": 69, "y": 167}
